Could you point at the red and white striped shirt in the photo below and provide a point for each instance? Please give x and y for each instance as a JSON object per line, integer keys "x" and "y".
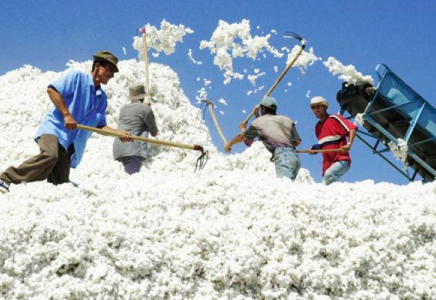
{"x": 332, "y": 134}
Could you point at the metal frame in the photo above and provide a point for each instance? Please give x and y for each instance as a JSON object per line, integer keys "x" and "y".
{"x": 368, "y": 117}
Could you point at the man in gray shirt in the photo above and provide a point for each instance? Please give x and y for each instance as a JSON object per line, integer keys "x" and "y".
{"x": 278, "y": 134}
{"x": 138, "y": 119}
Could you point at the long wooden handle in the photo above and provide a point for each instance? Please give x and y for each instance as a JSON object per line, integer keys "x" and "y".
{"x": 277, "y": 81}
{"x": 210, "y": 106}
{"x": 318, "y": 151}
{"x": 141, "y": 139}
{"x": 147, "y": 79}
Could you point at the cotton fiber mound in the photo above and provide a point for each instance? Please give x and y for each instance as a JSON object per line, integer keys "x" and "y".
{"x": 230, "y": 231}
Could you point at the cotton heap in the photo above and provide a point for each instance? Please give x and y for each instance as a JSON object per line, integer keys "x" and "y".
{"x": 230, "y": 231}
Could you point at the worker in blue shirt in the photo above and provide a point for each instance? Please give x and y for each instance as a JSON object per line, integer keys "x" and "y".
{"x": 78, "y": 99}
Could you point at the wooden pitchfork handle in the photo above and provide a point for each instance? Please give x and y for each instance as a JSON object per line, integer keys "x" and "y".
{"x": 147, "y": 79}
{"x": 319, "y": 151}
{"x": 278, "y": 79}
{"x": 142, "y": 139}
{"x": 210, "y": 106}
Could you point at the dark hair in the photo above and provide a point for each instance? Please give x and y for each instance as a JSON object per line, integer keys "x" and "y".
{"x": 271, "y": 111}
{"x": 101, "y": 62}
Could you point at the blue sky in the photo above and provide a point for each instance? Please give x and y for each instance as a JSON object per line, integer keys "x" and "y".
{"x": 46, "y": 34}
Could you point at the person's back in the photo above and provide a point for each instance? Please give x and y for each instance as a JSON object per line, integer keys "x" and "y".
{"x": 138, "y": 119}
{"x": 275, "y": 131}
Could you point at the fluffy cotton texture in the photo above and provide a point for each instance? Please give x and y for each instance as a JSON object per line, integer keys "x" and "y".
{"x": 222, "y": 101}
{"x": 359, "y": 119}
{"x": 164, "y": 39}
{"x": 230, "y": 231}
{"x": 348, "y": 73}
{"x": 225, "y": 45}
{"x": 399, "y": 149}
{"x": 304, "y": 60}
{"x": 191, "y": 57}
{"x": 253, "y": 78}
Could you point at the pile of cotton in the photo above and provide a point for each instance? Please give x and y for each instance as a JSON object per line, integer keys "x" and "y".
{"x": 230, "y": 231}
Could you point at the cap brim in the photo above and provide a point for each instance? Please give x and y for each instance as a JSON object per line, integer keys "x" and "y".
{"x": 137, "y": 97}
{"x": 316, "y": 104}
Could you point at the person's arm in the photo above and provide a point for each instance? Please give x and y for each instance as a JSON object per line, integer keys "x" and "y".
{"x": 351, "y": 135}
{"x": 126, "y": 136}
{"x": 58, "y": 101}
{"x": 150, "y": 121}
{"x": 236, "y": 140}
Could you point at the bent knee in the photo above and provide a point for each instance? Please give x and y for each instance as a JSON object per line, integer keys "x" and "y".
{"x": 50, "y": 157}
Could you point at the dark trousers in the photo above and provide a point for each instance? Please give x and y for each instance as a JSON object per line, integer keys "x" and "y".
{"x": 132, "y": 164}
{"x": 53, "y": 163}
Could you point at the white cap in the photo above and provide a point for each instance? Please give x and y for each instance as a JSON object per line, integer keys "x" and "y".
{"x": 318, "y": 100}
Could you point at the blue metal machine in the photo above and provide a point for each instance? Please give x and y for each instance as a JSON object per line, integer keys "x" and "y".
{"x": 393, "y": 111}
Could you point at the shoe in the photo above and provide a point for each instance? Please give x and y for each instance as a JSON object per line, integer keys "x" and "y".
{"x": 4, "y": 186}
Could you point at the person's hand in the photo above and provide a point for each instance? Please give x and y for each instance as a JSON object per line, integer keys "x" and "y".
{"x": 227, "y": 148}
{"x": 242, "y": 126}
{"x": 314, "y": 147}
{"x": 345, "y": 148}
{"x": 127, "y": 136}
{"x": 69, "y": 121}
{"x": 256, "y": 111}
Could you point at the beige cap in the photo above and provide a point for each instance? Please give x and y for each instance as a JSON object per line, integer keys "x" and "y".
{"x": 318, "y": 100}
{"x": 136, "y": 91}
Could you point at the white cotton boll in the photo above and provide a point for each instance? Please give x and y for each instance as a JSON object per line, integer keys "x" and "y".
{"x": 206, "y": 81}
{"x": 308, "y": 94}
{"x": 289, "y": 83}
{"x": 163, "y": 39}
{"x": 221, "y": 112}
{"x": 304, "y": 60}
{"x": 274, "y": 31}
{"x": 124, "y": 51}
{"x": 261, "y": 87}
{"x": 244, "y": 111}
{"x": 230, "y": 41}
{"x": 256, "y": 71}
{"x": 258, "y": 27}
{"x": 249, "y": 93}
{"x": 222, "y": 101}
{"x": 198, "y": 79}
{"x": 399, "y": 150}
{"x": 192, "y": 58}
{"x": 276, "y": 69}
{"x": 347, "y": 73}
{"x": 359, "y": 119}
{"x": 155, "y": 55}
{"x": 201, "y": 95}
{"x": 245, "y": 71}
{"x": 253, "y": 78}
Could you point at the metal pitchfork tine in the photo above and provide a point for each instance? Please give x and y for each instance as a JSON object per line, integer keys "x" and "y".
{"x": 202, "y": 160}
{"x": 290, "y": 34}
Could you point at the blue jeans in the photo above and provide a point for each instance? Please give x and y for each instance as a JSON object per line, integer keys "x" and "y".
{"x": 287, "y": 162}
{"x": 132, "y": 164}
{"x": 335, "y": 172}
